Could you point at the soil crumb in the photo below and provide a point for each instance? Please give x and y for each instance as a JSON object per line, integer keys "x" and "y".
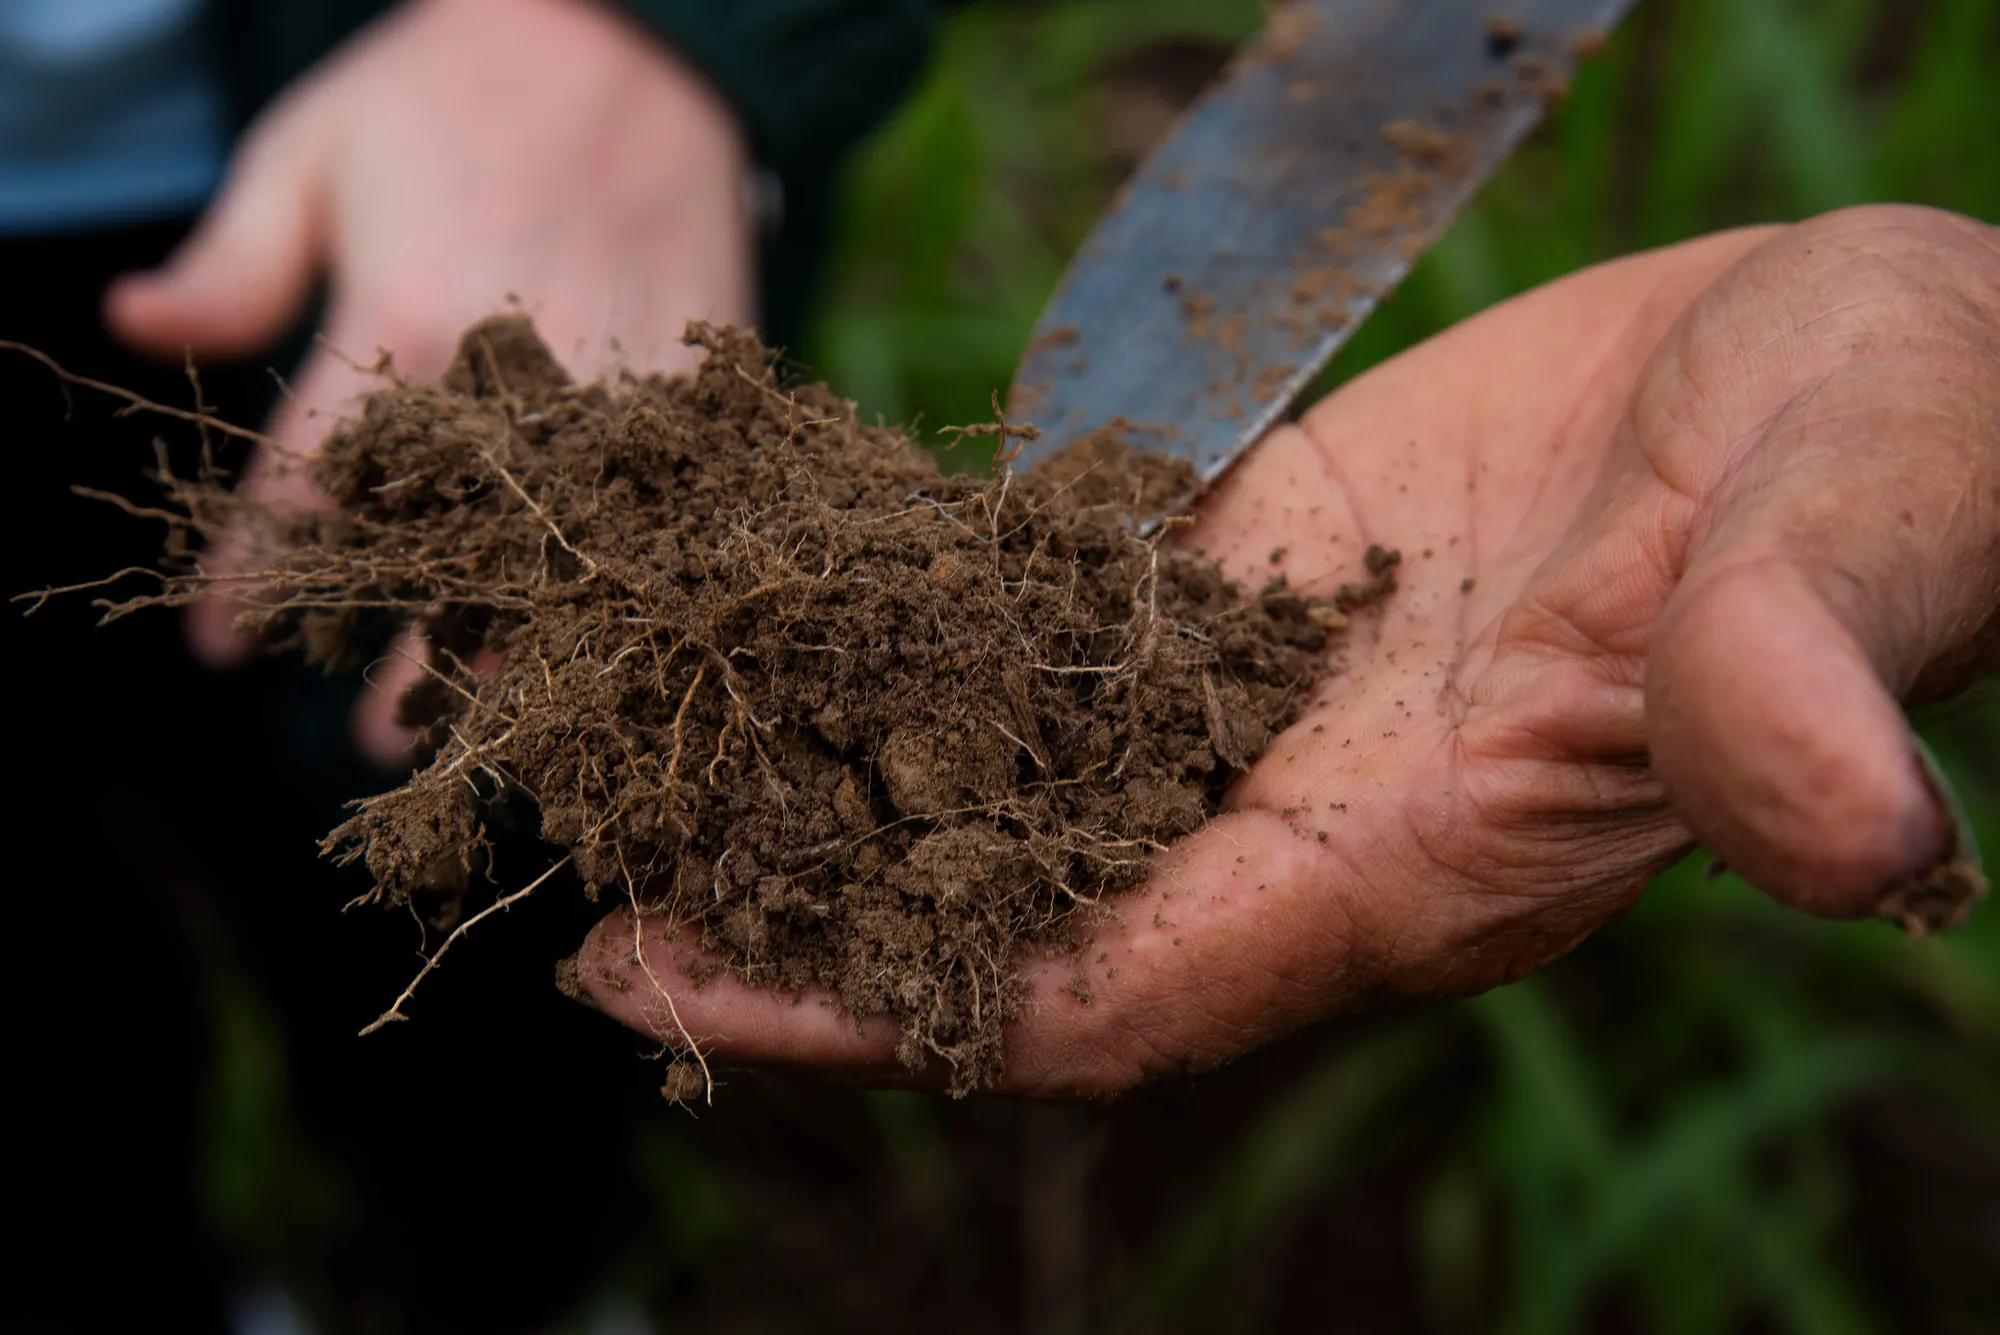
{"x": 1503, "y": 35}
{"x": 1937, "y": 900}
{"x": 763, "y": 669}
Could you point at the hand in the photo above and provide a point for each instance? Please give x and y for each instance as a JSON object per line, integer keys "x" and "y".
{"x": 458, "y": 154}
{"x": 1678, "y": 533}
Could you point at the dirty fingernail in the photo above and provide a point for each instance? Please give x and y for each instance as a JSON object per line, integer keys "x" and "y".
{"x": 1939, "y": 897}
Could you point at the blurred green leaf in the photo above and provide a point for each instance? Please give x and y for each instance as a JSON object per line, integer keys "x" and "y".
{"x": 1297, "y": 1149}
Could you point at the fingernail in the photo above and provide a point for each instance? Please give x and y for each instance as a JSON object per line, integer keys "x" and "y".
{"x": 1939, "y": 897}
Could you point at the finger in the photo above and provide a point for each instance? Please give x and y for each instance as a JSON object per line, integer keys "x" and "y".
{"x": 379, "y": 733}
{"x": 329, "y": 386}
{"x": 1247, "y": 930}
{"x": 1842, "y": 554}
{"x": 277, "y": 479}
{"x": 382, "y": 732}
{"x": 1164, "y": 981}
{"x": 647, "y": 980}
{"x": 240, "y": 281}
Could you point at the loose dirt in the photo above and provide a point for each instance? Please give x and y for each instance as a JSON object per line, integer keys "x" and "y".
{"x": 764, "y": 670}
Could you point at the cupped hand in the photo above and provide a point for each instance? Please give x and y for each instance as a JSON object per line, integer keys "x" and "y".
{"x": 1679, "y": 533}
{"x": 458, "y": 155}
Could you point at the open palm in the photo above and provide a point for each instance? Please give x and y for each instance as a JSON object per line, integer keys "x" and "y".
{"x": 1678, "y": 533}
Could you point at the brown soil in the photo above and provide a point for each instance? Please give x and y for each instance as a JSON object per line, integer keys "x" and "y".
{"x": 764, "y": 669}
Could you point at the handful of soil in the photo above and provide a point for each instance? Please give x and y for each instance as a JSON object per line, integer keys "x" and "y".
{"x": 766, "y": 670}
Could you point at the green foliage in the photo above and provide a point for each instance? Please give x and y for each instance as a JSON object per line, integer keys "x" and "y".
{"x": 270, "y": 1195}
{"x": 1684, "y": 1161}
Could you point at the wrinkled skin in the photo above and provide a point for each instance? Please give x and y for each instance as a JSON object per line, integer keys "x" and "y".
{"x": 453, "y": 156}
{"x": 1721, "y": 508}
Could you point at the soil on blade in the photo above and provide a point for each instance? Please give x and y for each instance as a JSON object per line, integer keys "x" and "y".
{"x": 762, "y": 668}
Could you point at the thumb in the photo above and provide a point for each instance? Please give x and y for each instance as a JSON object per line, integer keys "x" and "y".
{"x": 237, "y": 283}
{"x": 1772, "y": 724}
{"x": 1845, "y": 554}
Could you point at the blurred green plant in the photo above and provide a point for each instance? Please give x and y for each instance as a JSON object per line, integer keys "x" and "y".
{"x": 1679, "y": 1154}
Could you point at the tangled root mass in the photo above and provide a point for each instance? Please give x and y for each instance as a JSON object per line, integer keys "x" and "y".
{"x": 766, "y": 670}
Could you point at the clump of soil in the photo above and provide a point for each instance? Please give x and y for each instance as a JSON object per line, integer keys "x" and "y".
{"x": 764, "y": 669}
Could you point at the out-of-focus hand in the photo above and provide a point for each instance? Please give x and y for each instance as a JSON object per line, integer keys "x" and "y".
{"x": 458, "y": 154}
{"x": 1679, "y": 534}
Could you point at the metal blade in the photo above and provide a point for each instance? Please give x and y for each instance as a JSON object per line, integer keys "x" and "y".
{"x": 1294, "y": 195}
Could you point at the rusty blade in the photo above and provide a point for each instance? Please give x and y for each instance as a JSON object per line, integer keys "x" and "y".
{"x": 1294, "y": 195}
